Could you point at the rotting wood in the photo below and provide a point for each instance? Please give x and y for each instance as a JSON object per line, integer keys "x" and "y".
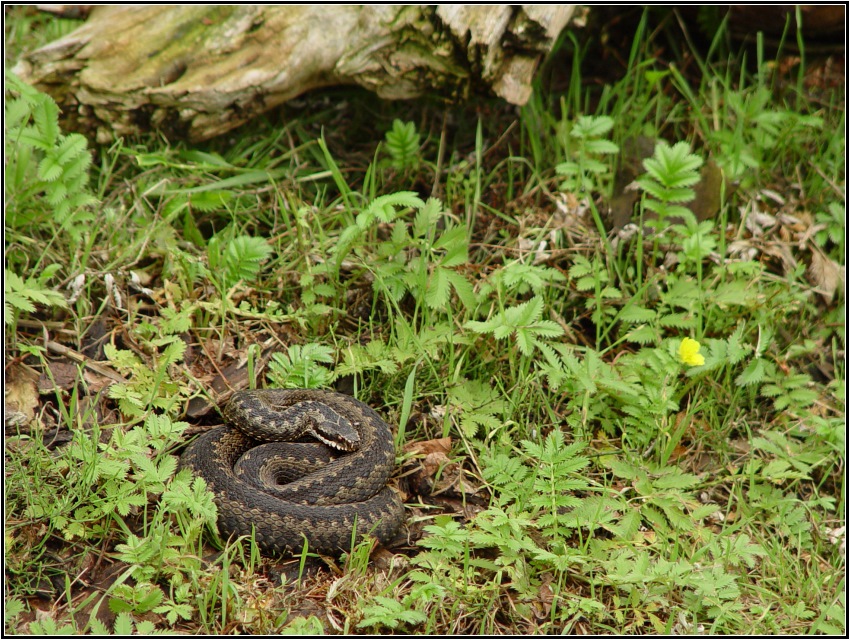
{"x": 200, "y": 71}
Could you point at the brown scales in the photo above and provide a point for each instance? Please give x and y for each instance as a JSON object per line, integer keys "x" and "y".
{"x": 320, "y": 506}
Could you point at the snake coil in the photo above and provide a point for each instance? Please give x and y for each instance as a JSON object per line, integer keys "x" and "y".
{"x": 289, "y": 492}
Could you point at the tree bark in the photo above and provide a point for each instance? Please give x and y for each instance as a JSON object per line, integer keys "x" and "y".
{"x": 200, "y": 71}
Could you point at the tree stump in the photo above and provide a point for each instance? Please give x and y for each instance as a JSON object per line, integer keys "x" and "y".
{"x": 199, "y": 71}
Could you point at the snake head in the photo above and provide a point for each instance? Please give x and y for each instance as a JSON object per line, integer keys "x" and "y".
{"x": 340, "y": 434}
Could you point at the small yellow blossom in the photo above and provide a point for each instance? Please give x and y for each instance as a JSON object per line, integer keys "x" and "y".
{"x": 689, "y": 352}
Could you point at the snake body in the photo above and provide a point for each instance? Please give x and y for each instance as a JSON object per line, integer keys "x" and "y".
{"x": 286, "y": 492}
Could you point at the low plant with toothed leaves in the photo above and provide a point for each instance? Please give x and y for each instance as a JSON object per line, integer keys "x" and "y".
{"x": 402, "y": 145}
{"x": 670, "y": 174}
{"x": 47, "y": 172}
{"x": 587, "y": 147}
{"x": 22, "y": 295}
{"x": 417, "y": 258}
{"x": 239, "y": 259}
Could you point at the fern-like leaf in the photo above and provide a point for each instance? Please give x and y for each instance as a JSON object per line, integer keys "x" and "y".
{"x": 243, "y": 258}
{"x": 402, "y": 143}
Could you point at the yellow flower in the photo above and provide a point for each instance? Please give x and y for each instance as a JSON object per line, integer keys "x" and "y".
{"x": 689, "y": 352}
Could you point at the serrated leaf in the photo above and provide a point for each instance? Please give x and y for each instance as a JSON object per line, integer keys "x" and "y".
{"x": 627, "y": 526}
{"x": 547, "y": 328}
{"x": 547, "y": 351}
{"x": 426, "y": 218}
{"x": 602, "y": 147}
{"x": 437, "y": 292}
{"x": 592, "y": 126}
{"x": 13, "y": 608}
{"x": 173, "y": 352}
{"x": 46, "y": 116}
{"x": 242, "y": 258}
{"x": 463, "y": 288}
{"x": 581, "y": 267}
{"x": 151, "y": 599}
{"x": 643, "y": 335}
{"x": 19, "y": 302}
{"x": 16, "y": 112}
{"x": 383, "y": 207}
{"x": 56, "y": 193}
{"x": 72, "y": 146}
{"x": 624, "y": 469}
{"x": 586, "y": 283}
{"x": 346, "y": 239}
{"x": 123, "y": 624}
{"x": 210, "y": 200}
{"x": 454, "y": 241}
{"x": 526, "y": 313}
{"x": 97, "y": 628}
{"x": 503, "y": 331}
{"x": 480, "y": 327}
{"x": 49, "y": 169}
{"x": 594, "y": 166}
{"x": 753, "y": 374}
{"x": 676, "y": 481}
{"x": 119, "y": 606}
{"x": 635, "y": 314}
{"x": 30, "y": 136}
{"x": 677, "y": 321}
{"x": 525, "y": 341}
{"x": 567, "y": 168}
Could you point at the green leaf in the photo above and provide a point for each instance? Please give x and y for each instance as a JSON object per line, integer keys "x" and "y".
{"x": 643, "y": 335}
{"x": 124, "y": 624}
{"x": 740, "y": 549}
{"x": 437, "y": 291}
{"x": 676, "y": 480}
{"x": 72, "y": 146}
{"x": 592, "y": 126}
{"x": 753, "y": 374}
{"x": 300, "y": 366}
{"x": 46, "y": 116}
{"x": 13, "y": 607}
{"x": 17, "y": 111}
{"x": 242, "y": 180}
{"x": 49, "y": 168}
{"x": 384, "y": 207}
{"x": 526, "y": 313}
{"x": 454, "y": 242}
{"x": 211, "y": 200}
{"x": 673, "y": 166}
{"x": 677, "y": 321}
{"x": 97, "y": 628}
{"x": 525, "y": 341}
{"x": 242, "y": 258}
{"x": 427, "y": 217}
{"x": 23, "y": 295}
{"x": 402, "y": 143}
{"x": 481, "y": 327}
{"x": 463, "y": 288}
{"x": 601, "y": 147}
{"x": 173, "y": 353}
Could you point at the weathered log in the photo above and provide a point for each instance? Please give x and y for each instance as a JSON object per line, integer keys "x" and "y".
{"x": 200, "y": 71}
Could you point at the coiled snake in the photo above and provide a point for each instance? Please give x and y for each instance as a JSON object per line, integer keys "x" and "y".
{"x": 286, "y": 492}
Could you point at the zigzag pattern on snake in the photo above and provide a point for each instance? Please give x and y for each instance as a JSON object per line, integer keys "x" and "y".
{"x": 256, "y": 488}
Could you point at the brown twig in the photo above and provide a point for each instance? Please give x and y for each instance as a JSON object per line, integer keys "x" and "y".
{"x": 78, "y": 357}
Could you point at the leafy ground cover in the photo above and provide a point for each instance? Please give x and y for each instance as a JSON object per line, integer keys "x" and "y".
{"x": 609, "y": 327}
